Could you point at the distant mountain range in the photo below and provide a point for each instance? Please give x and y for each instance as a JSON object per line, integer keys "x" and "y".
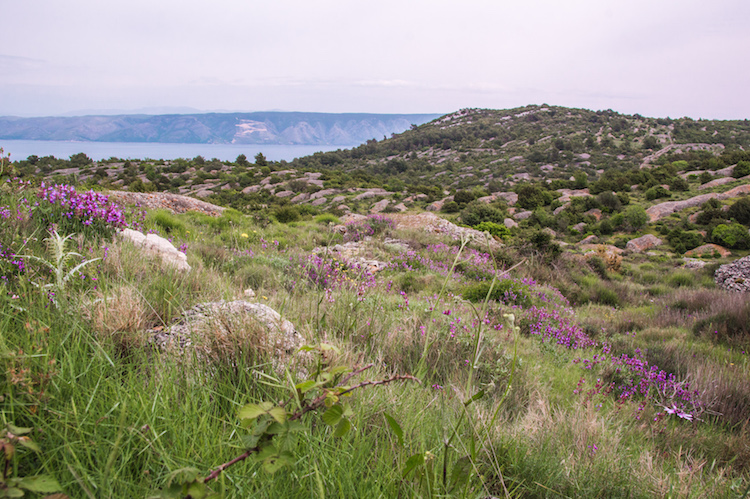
{"x": 292, "y": 128}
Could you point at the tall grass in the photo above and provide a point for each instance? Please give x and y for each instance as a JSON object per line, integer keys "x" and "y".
{"x": 497, "y": 414}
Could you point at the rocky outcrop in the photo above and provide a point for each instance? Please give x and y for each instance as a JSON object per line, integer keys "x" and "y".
{"x": 662, "y": 210}
{"x": 708, "y": 250}
{"x": 734, "y": 276}
{"x": 216, "y": 327}
{"x": 643, "y": 243}
{"x": 157, "y": 246}
{"x": 175, "y": 203}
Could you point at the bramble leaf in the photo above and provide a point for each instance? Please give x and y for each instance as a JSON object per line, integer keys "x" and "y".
{"x": 333, "y": 415}
{"x": 342, "y": 428}
{"x": 253, "y": 411}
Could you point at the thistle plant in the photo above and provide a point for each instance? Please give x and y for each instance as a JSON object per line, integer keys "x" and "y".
{"x": 58, "y": 265}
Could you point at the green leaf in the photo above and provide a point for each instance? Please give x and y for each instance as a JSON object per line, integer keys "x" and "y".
{"x": 275, "y": 463}
{"x": 253, "y": 411}
{"x": 333, "y": 415}
{"x": 461, "y": 472}
{"x": 342, "y": 428}
{"x": 339, "y": 370}
{"x": 182, "y": 475}
{"x": 39, "y": 483}
{"x": 278, "y": 413}
{"x": 413, "y": 462}
{"x": 323, "y": 347}
{"x": 306, "y": 386}
{"x": 197, "y": 490}
{"x": 395, "y": 428}
{"x": 29, "y": 444}
{"x": 18, "y": 430}
{"x": 11, "y": 492}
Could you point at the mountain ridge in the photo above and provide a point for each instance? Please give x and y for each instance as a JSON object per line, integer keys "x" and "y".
{"x": 268, "y": 127}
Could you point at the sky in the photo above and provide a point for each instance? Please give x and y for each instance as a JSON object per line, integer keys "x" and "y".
{"x": 657, "y": 58}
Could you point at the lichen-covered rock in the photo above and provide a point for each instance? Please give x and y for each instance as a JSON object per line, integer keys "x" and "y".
{"x": 643, "y": 243}
{"x": 734, "y": 276}
{"x": 522, "y": 215}
{"x": 156, "y": 245}
{"x": 216, "y": 327}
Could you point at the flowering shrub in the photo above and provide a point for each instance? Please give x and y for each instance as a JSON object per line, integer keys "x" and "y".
{"x": 326, "y": 272}
{"x": 71, "y": 211}
{"x": 356, "y": 230}
{"x": 632, "y": 378}
{"x": 555, "y": 326}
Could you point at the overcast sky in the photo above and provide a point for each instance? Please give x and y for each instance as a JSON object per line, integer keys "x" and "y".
{"x": 654, "y": 57}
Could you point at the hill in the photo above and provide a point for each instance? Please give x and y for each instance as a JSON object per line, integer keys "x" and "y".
{"x": 576, "y": 330}
{"x": 218, "y": 128}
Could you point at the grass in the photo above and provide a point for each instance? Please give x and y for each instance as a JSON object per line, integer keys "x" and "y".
{"x": 115, "y": 417}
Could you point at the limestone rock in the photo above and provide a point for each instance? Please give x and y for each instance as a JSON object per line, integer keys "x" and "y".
{"x": 592, "y": 239}
{"x": 156, "y": 245}
{"x": 379, "y": 206}
{"x": 643, "y": 243}
{"x": 707, "y": 250}
{"x": 209, "y": 325}
{"x": 522, "y": 215}
{"x": 734, "y": 276}
{"x": 510, "y": 223}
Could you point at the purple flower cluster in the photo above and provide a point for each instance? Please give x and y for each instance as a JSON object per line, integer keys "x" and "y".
{"x": 555, "y": 326}
{"x": 356, "y": 230}
{"x": 89, "y": 209}
{"x": 326, "y": 272}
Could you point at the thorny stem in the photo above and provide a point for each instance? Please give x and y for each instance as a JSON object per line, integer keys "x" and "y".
{"x": 312, "y": 405}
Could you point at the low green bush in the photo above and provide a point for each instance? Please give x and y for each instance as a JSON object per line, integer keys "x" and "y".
{"x": 494, "y": 229}
{"x": 327, "y": 218}
{"x": 166, "y": 221}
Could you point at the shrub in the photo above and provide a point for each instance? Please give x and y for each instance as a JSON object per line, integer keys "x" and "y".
{"x": 740, "y": 211}
{"x": 682, "y": 241}
{"x": 463, "y": 197}
{"x": 657, "y": 192}
{"x": 636, "y": 217}
{"x": 732, "y": 235}
{"x": 494, "y": 229}
{"x": 286, "y": 214}
{"x": 75, "y": 212}
{"x": 477, "y": 212}
{"x": 741, "y": 169}
{"x": 450, "y": 207}
{"x": 508, "y": 291}
{"x": 606, "y": 296}
{"x": 531, "y": 196}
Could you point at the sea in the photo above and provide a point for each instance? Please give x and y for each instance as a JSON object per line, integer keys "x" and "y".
{"x": 22, "y": 149}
